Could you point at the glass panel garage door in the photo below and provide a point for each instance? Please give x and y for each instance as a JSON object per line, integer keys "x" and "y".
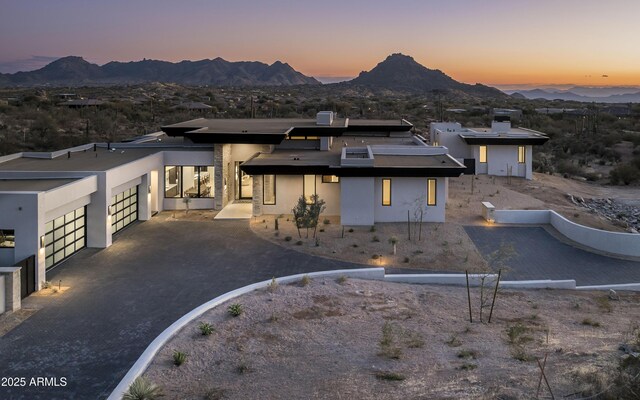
{"x": 124, "y": 209}
{"x": 64, "y": 236}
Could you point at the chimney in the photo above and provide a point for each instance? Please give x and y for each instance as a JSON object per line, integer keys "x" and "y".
{"x": 324, "y": 118}
{"x": 500, "y": 127}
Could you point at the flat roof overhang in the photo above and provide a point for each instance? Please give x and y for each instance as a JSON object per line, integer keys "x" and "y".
{"x": 236, "y": 138}
{"x": 505, "y": 141}
{"x": 414, "y": 172}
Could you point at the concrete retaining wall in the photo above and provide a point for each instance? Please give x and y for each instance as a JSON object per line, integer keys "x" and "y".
{"x": 615, "y": 243}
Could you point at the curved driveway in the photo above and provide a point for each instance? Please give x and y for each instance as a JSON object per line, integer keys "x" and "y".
{"x": 122, "y": 297}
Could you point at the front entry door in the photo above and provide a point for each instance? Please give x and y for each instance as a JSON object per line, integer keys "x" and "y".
{"x": 244, "y": 183}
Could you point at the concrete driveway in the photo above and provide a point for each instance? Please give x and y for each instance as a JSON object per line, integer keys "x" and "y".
{"x": 122, "y": 297}
{"x": 542, "y": 256}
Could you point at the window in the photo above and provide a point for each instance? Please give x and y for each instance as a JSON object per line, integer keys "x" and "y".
{"x": 521, "y": 154}
{"x": 432, "y": 192}
{"x": 330, "y": 179}
{"x": 172, "y": 184}
{"x": 386, "y": 192}
{"x": 483, "y": 154}
{"x": 7, "y": 238}
{"x": 188, "y": 181}
{"x": 309, "y": 188}
{"x": 268, "y": 189}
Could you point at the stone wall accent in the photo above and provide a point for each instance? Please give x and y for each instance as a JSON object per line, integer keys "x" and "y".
{"x": 12, "y": 300}
{"x": 221, "y": 159}
{"x": 257, "y": 195}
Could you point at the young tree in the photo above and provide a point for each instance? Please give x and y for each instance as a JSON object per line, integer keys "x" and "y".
{"x": 307, "y": 215}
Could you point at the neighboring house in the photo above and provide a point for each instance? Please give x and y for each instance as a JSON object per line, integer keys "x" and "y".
{"x": 512, "y": 114}
{"x": 193, "y": 106}
{"x": 55, "y": 204}
{"x": 500, "y": 150}
{"x": 82, "y": 103}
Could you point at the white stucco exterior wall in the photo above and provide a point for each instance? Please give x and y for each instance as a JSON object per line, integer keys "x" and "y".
{"x": 502, "y": 157}
{"x": 357, "y": 200}
{"x": 410, "y": 194}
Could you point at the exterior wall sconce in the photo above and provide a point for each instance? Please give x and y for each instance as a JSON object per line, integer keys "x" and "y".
{"x": 109, "y": 210}
{"x": 149, "y": 188}
{"x": 41, "y": 242}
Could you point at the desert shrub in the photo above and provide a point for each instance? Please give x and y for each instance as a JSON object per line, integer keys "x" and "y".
{"x": 350, "y": 230}
{"x": 287, "y": 238}
{"x": 624, "y": 174}
{"x": 179, "y": 358}
{"x": 326, "y": 221}
{"x": 305, "y": 281}
{"x": 235, "y": 310}
{"x": 243, "y": 368}
{"x": 375, "y": 239}
{"x": 299, "y": 243}
{"x": 590, "y": 322}
{"x": 390, "y": 376}
{"x": 467, "y": 354}
{"x": 141, "y": 389}
{"x": 453, "y": 341}
{"x": 375, "y": 256}
{"x": 273, "y": 285}
{"x": 342, "y": 279}
{"x": 205, "y": 328}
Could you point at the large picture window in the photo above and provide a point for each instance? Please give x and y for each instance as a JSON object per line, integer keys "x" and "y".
{"x": 483, "y": 154}
{"x": 64, "y": 236}
{"x": 268, "y": 189}
{"x": 386, "y": 192}
{"x": 188, "y": 181}
{"x": 309, "y": 188}
{"x": 432, "y": 192}
{"x": 7, "y": 238}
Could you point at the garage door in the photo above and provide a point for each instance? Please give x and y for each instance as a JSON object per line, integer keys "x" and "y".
{"x": 124, "y": 209}
{"x": 64, "y": 236}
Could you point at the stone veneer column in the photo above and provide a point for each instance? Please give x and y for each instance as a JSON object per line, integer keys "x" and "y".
{"x": 12, "y": 300}
{"x": 257, "y": 195}
{"x": 221, "y": 157}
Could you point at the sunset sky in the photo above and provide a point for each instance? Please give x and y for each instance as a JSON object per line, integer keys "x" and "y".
{"x": 492, "y": 41}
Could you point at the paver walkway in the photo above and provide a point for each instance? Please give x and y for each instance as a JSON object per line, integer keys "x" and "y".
{"x": 542, "y": 256}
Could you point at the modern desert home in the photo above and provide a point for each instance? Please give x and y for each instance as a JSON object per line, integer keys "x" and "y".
{"x": 500, "y": 150}
{"x": 53, "y": 205}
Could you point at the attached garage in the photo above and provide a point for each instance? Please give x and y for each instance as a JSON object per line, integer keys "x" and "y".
{"x": 64, "y": 236}
{"x": 124, "y": 209}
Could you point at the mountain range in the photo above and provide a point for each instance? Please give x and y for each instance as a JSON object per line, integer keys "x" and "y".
{"x": 76, "y": 71}
{"x": 582, "y": 94}
{"x": 397, "y": 72}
